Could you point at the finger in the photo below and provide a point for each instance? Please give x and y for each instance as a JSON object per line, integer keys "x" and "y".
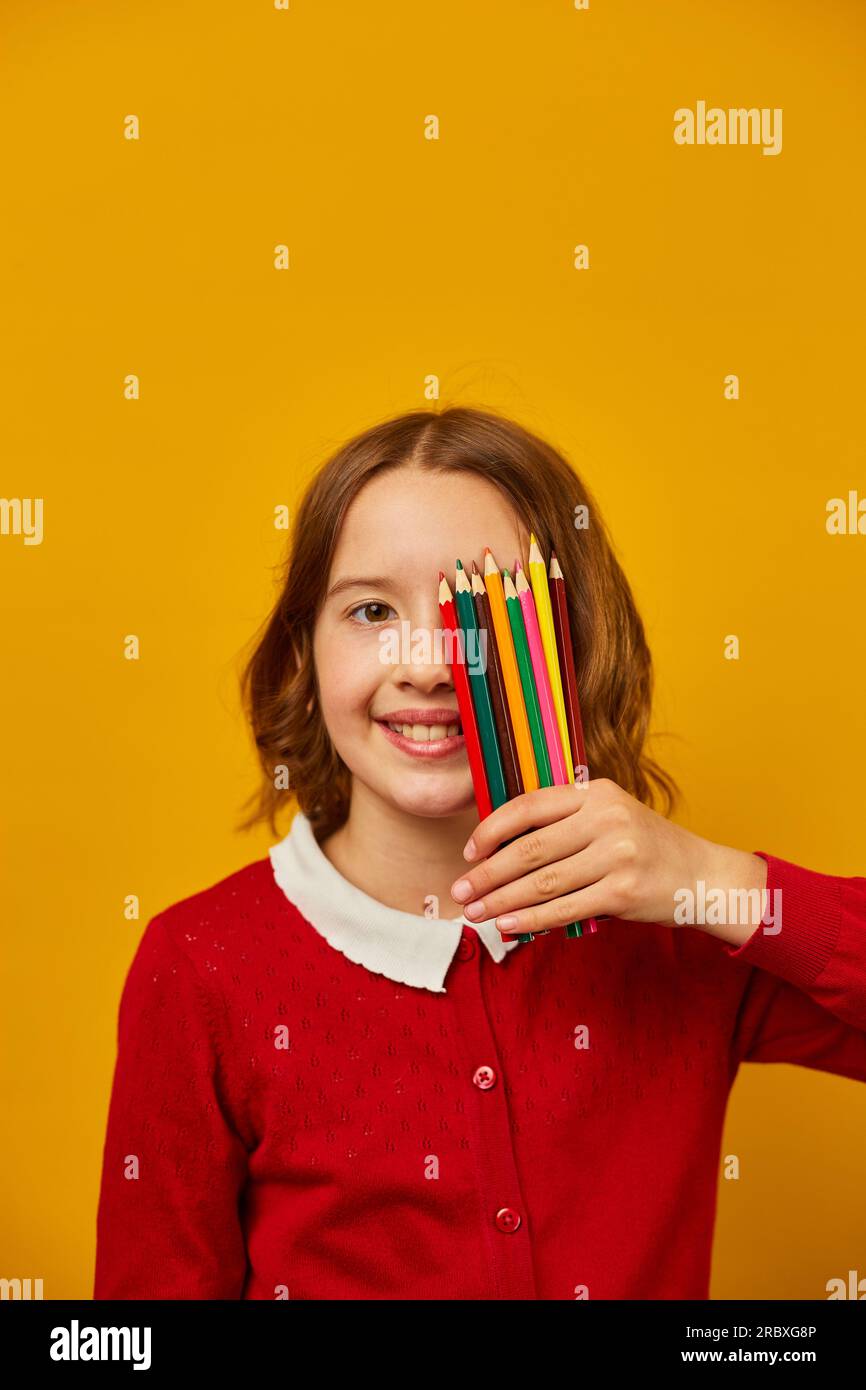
{"x": 533, "y": 850}
{"x": 535, "y": 808}
{"x": 574, "y": 907}
{"x": 575, "y": 871}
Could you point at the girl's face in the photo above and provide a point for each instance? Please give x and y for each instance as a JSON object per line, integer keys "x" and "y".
{"x": 377, "y": 659}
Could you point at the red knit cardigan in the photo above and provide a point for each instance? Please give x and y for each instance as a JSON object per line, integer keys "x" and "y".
{"x": 286, "y": 1124}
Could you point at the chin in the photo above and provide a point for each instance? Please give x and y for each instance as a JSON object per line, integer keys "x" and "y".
{"x": 433, "y": 798}
{"x": 436, "y": 803}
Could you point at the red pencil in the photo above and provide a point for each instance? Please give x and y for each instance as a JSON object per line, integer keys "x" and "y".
{"x": 464, "y": 702}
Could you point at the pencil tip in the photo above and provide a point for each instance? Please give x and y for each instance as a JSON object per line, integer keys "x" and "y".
{"x": 460, "y": 564}
{"x": 441, "y": 575}
{"x": 474, "y": 567}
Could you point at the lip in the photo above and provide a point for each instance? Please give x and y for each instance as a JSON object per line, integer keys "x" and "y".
{"x": 419, "y": 716}
{"x": 442, "y": 748}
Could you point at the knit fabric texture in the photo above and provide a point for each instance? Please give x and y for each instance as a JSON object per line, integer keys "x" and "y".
{"x": 286, "y": 1123}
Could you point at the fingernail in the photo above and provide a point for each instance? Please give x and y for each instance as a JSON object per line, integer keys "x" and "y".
{"x": 470, "y": 851}
{"x": 461, "y": 890}
{"x": 507, "y": 923}
{"x": 474, "y": 910}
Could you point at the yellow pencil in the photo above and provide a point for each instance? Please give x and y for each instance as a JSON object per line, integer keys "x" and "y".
{"x": 541, "y": 594}
{"x": 510, "y": 674}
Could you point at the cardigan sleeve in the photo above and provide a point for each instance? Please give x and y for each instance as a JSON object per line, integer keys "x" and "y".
{"x": 173, "y": 1165}
{"x": 805, "y": 998}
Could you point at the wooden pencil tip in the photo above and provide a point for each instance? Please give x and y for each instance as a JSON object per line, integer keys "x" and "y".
{"x": 460, "y": 564}
{"x": 474, "y": 567}
{"x": 441, "y": 575}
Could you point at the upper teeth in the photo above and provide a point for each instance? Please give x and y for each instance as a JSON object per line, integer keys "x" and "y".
{"x": 425, "y": 733}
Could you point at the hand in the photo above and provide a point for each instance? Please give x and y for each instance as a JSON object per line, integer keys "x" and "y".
{"x": 593, "y": 850}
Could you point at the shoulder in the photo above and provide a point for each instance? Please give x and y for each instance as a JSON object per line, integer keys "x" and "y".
{"x": 224, "y": 929}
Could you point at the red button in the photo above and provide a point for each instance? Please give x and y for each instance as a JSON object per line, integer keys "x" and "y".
{"x": 465, "y": 947}
{"x": 484, "y": 1078}
{"x": 507, "y": 1219}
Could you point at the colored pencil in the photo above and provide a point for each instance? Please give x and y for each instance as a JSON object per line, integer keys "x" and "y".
{"x": 480, "y": 690}
{"x": 464, "y": 702}
{"x": 527, "y": 680}
{"x": 515, "y": 731}
{"x": 542, "y": 677}
{"x": 504, "y": 729}
{"x": 510, "y": 673}
{"x": 559, "y": 772}
{"x": 562, "y": 629}
{"x": 544, "y": 611}
{"x": 565, "y": 651}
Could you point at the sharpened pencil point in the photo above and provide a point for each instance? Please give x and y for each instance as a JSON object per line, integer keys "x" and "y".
{"x": 460, "y": 564}
{"x": 441, "y": 574}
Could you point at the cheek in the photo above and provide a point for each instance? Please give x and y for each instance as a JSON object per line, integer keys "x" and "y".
{"x": 349, "y": 674}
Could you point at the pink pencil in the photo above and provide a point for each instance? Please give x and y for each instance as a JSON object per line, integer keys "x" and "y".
{"x": 542, "y": 679}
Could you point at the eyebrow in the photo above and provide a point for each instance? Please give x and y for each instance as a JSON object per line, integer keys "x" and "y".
{"x": 373, "y": 581}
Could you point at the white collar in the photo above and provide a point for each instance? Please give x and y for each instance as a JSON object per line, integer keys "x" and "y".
{"x": 413, "y": 950}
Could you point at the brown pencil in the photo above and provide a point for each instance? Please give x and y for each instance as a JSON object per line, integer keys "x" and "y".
{"x": 501, "y": 715}
{"x": 562, "y": 628}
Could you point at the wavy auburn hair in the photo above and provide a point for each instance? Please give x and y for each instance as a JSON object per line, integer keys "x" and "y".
{"x": 612, "y": 660}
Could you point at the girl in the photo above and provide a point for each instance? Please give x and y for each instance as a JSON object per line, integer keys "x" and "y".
{"x": 330, "y": 1084}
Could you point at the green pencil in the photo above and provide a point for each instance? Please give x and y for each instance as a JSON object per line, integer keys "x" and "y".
{"x": 527, "y": 681}
{"x": 480, "y": 689}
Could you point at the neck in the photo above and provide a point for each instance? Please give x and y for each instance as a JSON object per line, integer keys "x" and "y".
{"x": 401, "y": 860}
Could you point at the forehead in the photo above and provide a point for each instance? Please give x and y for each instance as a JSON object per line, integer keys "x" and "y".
{"x": 415, "y": 521}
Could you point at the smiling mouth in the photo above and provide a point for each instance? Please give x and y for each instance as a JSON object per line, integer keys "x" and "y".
{"x": 424, "y": 733}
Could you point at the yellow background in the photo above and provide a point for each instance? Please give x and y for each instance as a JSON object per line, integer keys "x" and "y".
{"x": 411, "y": 257}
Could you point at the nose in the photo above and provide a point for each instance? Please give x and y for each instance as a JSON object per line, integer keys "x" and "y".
{"x": 424, "y": 662}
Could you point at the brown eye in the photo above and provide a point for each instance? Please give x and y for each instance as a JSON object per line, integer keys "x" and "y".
{"x": 373, "y": 613}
